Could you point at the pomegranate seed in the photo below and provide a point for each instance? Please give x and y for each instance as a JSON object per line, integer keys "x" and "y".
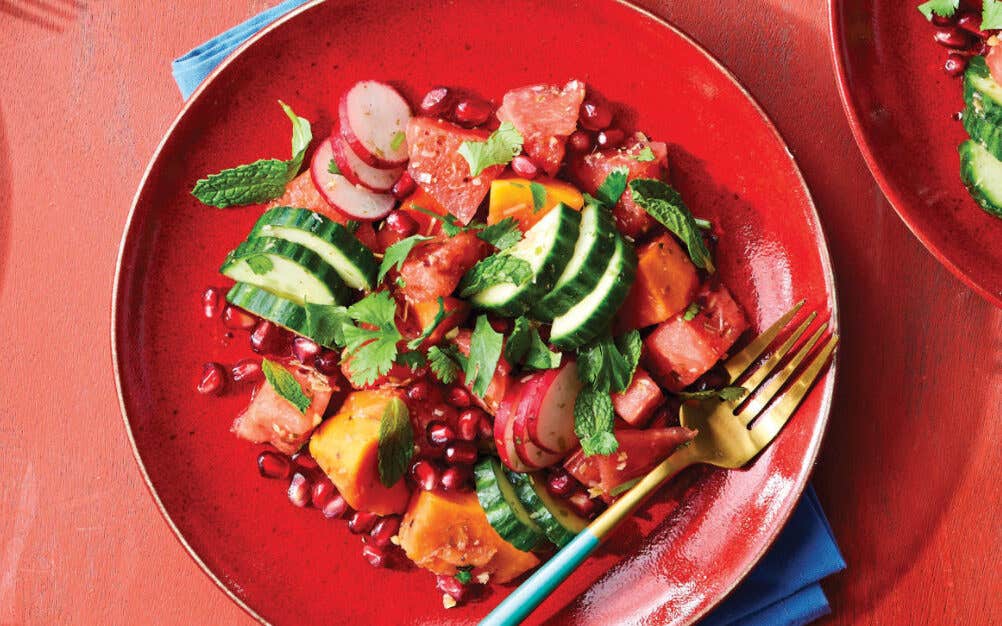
{"x": 211, "y": 300}
{"x": 419, "y": 391}
{"x": 425, "y": 475}
{"x": 456, "y": 478}
{"x": 375, "y": 556}
{"x": 305, "y": 350}
{"x": 246, "y": 370}
{"x": 322, "y": 493}
{"x": 436, "y": 101}
{"x": 579, "y": 141}
{"x": 404, "y": 186}
{"x": 439, "y": 433}
{"x": 459, "y": 397}
{"x": 468, "y": 424}
{"x": 237, "y": 319}
{"x": 299, "y": 490}
{"x": 337, "y": 507}
{"x": 273, "y": 465}
{"x": 971, "y": 22}
{"x": 383, "y": 530}
{"x": 362, "y": 522}
{"x": 610, "y": 138}
{"x": 499, "y": 324}
{"x": 451, "y": 586}
{"x": 471, "y": 112}
{"x": 953, "y": 38}
{"x": 559, "y": 483}
{"x": 461, "y": 453}
{"x": 582, "y": 504}
{"x": 524, "y": 167}
{"x": 213, "y": 379}
{"x": 327, "y": 362}
{"x": 955, "y": 64}
{"x": 486, "y": 427}
{"x": 305, "y": 461}
{"x": 268, "y": 338}
{"x": 595, "y": 114}
{"x": 942, "y": 20}
{"x": 401, "y": 223}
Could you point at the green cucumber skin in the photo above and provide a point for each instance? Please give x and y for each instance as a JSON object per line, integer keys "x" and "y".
{"x": 978, "y": 82}
{"x": 267, "y": 305}
{"x": 567, "y": 295}
{"x": 558, "y": 534}
{"x": 974, "y": 176}
{"x": 326, "y": 229}
{"x": 498, "y": 510}
{"x": 984, "y": 131}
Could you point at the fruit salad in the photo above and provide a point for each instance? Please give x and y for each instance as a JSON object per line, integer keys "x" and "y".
{"x": 473, "y": 326}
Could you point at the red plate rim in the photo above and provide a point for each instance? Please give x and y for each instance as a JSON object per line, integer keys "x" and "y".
{"x": 824, "y": 412}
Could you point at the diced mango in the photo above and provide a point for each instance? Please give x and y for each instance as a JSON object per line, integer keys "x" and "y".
{"x": 512, "y": 197}
{"x": 456, "y": 311}
{"x": 411, "y": 205}
{"x": 346, "y": 448}
{"x": 443, "y": 531}
{"x": 666, "y": 283}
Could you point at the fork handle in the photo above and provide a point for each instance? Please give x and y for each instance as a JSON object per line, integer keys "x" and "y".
{"x": 531, "y": 593}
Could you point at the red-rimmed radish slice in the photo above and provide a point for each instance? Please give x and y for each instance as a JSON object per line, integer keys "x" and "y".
{"x": 504, "y": 437}
{"x": 550, "y": 417}
{"x": 373, "y": 119}
{"x": 531, "y": 454}
{"x": 352, "y": 200}
{"x": 359, "y": 172}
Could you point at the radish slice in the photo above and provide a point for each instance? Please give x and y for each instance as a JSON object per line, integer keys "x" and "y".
{"x": 374, "y": 118}
{"x": 531, "y": 454}
{"x": 359, "y": 172}
{"x": 504, "y": 438}
{"x": 351, "y": 200}
{"x": 550, "y": 417}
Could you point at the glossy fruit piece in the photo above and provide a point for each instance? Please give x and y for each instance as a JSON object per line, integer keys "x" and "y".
{"x": 213, "y": 379}
{"x": 272, "y": 465}
{"x": 299, "y": 490}
{"x": 545, "y": 115}
{"x": 351, "y": 200}
{"x": 641, "y": 399}
{"x": 471, "y": 112}
{"x": 434, "y": 268}
{"x": 665, "y": 284}
{"x": 212, "y": 300}
{"x": 373, "y": 116}
{"x": 513, "y": 197}
{"x": 246, "y": 371}
{"x": 436, "y": 102}
{"x": 236, "y": 318}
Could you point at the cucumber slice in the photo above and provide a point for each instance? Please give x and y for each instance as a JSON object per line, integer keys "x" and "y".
{"x": 267, "y": 305}
{"x": 559, "y": 523}
{"x": 596, "y": 241}
{"x": 591, "y": 315}
{"x": 504, "y": 510}
{"x": 547, "y": 248}
{"x": 334, "y": 243}
{"x": 984, "y": 131}
{"x": 982, "y": 173}
{"x": 981, "y": 93}
{"x": 286, "y": 269}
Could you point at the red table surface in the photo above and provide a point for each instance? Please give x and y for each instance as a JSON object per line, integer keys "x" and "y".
{"x": 908, "y": 474}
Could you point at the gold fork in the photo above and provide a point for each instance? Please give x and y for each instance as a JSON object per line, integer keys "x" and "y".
{"x": 728, "y": 435}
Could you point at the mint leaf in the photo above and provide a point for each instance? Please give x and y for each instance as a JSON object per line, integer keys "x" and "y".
{"x": 495, "y": 270}
{"x": 372, "y": 352}
{"x": 729, "y": 394}
{"x": 608, "y": 364}
{"x": 943, "y": 8}
{"x": 538, "y": 196}
{"x": 665, "y": 205}
{"x": 285, "y": 385}
{"x": 630, "y": 346}
{"x": 442, "y": 365}
{"x": 333, "y": 168}
{"x": 396, "y": 442}
{"x": 397, "y": 140}
{"x": 502, "y": 235}
{"x": 593, "y": 421}
{"x": 645, "y": 156}
{"x": 525, "y": 345}
{"x": 396, "y": 254}
{"x": 259, "y": 264}
{"x": 691, "y": 312}
{"x": 612, "y": 187}
{"x": 414, "y": 343}
{"x": 485, "y": 351}
{"x": 499, "y": 149}
{"x": 518, "y": 341}
{"x": 464, "y": 576}
{"x": 539, "y": 356}
{"x": 991, "y": 15}
{"x": 325, "y": 323}
{"x": 259, "y": 181}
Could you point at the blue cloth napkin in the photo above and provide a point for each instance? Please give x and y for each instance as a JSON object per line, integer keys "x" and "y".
{"x": 783, "y": 588}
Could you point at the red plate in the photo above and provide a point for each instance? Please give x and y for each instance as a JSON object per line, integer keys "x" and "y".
{"x": 676, "y": 559}
{"x": 901, "y": 105}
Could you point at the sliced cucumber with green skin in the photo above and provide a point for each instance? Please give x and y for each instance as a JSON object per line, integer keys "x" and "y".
{"x": 504, "y": 510}
{"x": 559, "y": 523}
{"x": 596, "y": 241}
{"x": 984, "y": 131}
{"x": 331, "y": 241}
{"x": 591, "y": 316}
{"x": 547, "y": 248}
{"x": 267, "y": 305}
{"x": 982, "y": 174}
{"x": 286, "y": 269}
{"x": 981, "y": 93}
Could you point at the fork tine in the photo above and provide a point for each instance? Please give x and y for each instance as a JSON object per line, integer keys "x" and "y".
{"x": 770, "y": 389}
{"x": 759, "y": 375}
{"x": 772, "y": 421}
{"x": 737, "y": 364}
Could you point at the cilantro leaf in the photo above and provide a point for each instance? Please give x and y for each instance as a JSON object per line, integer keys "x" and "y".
{"x": 991, "y": 15}
{"x": 691, "y": 312}
{"x": 325, "y": 323}
{"x": 518, "y": 341}
{"x": 502, "y": 235}
{"x": 495, "y": 270}
{"x": 426, "y": 332}
{"x": 285, "y": 385}
{"x": 729, "y": 394}
{"x": 485, "y": 351}
{"x": 665, "y": 205}
{"x": 442, "y": 365}
{"x": 943, "y": 8}
{"x": 499, "y": 149}
{"x": 525, "y": 344}
{"x": 645, "y": 156}
{"x": 259, "y": 264}
{"x": 397, "y": 140}
{"x": 538, "y": 196}
{"x": 396, "y": 442}
{"x": 608, "y": 364}
{"x": 593, "y": 420}
{"x": 397, "y": 253}
{"x": 450, "y": 225}
{"x": 412, "y": 360}
{"x": 464, "y": 576}
{"x": 333, "y": 168}
{"x": 372, "y": 352}
{"x": 539, "y": 356}
{"x": 612, "y": 187}
{"x": 260, "y": 181}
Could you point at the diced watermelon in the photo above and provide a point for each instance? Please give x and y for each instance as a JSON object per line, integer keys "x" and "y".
{"x": 302, "y": 193}
{"x": 435, "y": 267}
{"x": 679, "y": 351}
{"x": 639, "y": 451}
{"x": 438, "y": 168}
{"x": 590, "y": 171}
{"x": 545, "y": 115}
{"x": 637, "y": 404}
{"x": 491, "y": 401}
{"x": 270, "y": 418}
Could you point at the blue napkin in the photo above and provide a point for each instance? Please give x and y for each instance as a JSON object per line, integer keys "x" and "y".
{"x": 783, "y": 588}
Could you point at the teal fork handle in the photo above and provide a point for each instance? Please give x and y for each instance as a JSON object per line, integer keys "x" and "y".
{"x": 531, "y": 593}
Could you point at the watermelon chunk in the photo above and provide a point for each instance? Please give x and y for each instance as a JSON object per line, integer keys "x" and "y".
{"x": 637, "y": 404}
{"x": 438, "y": 168}
{"x": 590, "y": 171}
{"x": 545, "y": 115}
{"x": 435, "y": 267}
{"x": 639, "y": 451}
{"x": 679, "y": 351}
